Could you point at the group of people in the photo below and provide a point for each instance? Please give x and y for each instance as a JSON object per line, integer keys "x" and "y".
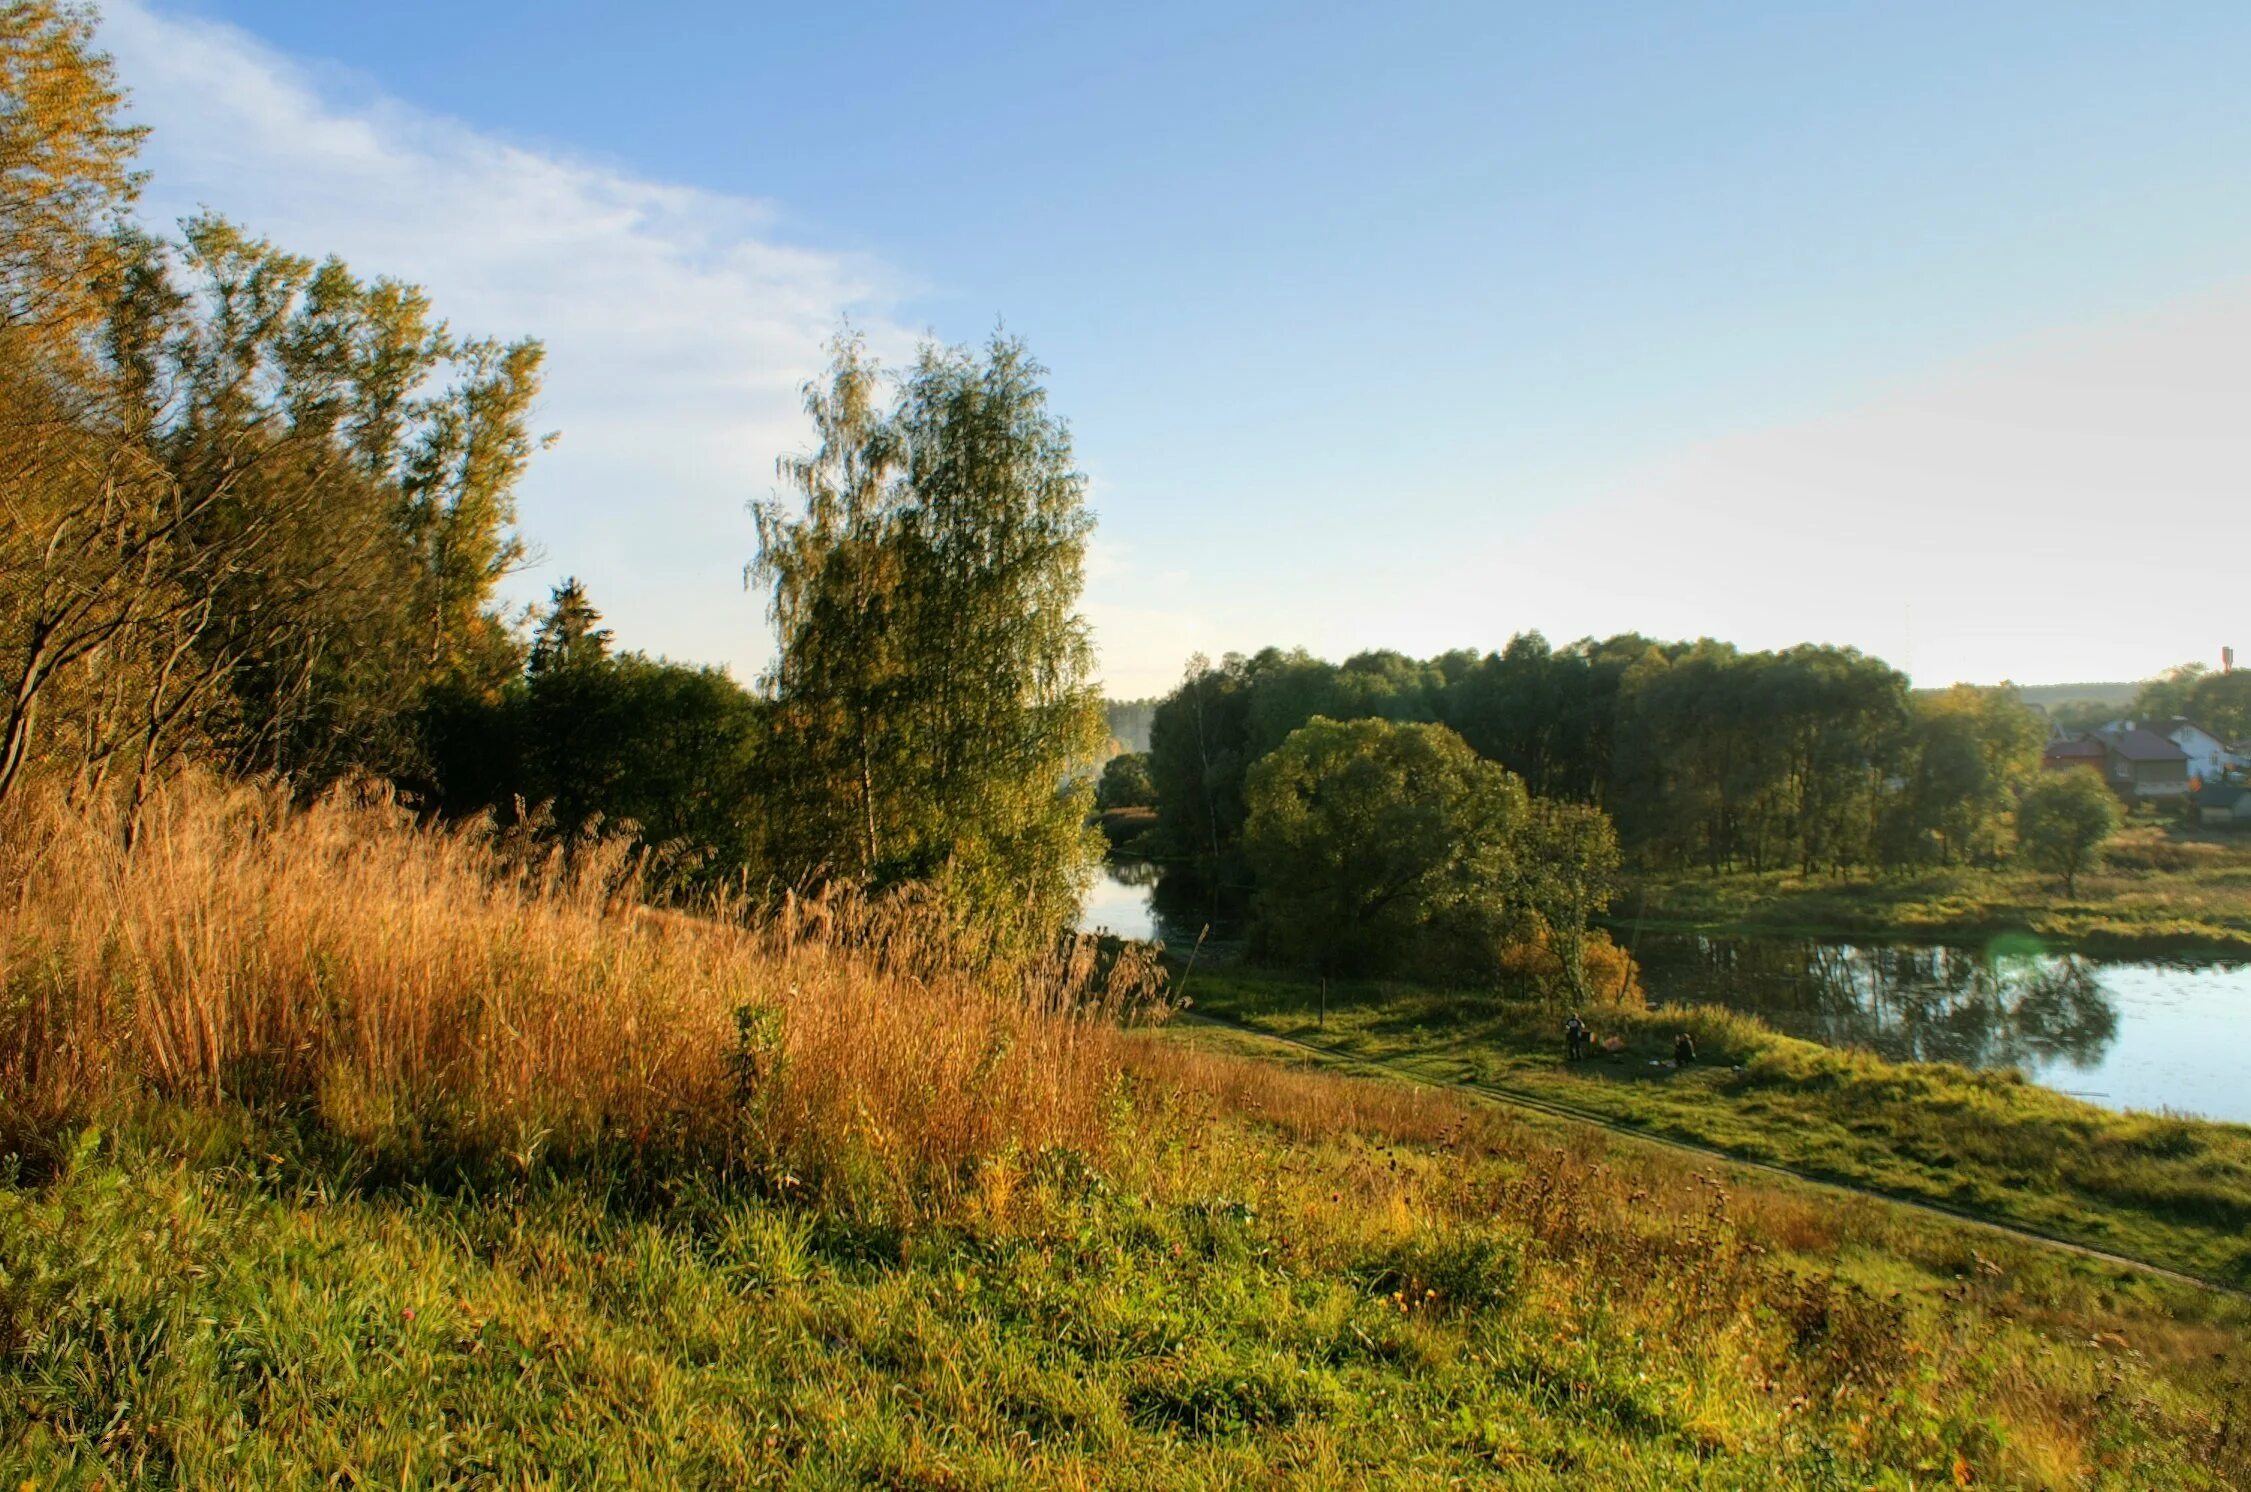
{"x": 1578, "y": 1040}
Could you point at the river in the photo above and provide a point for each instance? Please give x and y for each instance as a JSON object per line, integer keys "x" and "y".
{"x": 2124, "y": 1033}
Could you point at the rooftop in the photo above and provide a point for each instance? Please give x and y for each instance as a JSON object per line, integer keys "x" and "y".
{"x": 2139, "y": 745}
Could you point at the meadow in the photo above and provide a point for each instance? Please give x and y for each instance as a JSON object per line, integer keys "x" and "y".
{"x": 348, "y": 1152}
{"x": 2157, "y": 891}
{"x": 2172, "y": 1190}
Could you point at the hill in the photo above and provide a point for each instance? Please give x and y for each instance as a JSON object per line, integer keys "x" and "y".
{"x": 352, "y": 1152}
{"x": 2049, "y": 695}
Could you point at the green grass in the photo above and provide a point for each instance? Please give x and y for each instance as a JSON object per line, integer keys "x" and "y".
{"x": 2170, "y": 1190}
{"x": 2158, "y": 893}
{"x": 539, "y": 1189}
{"x": 202, "y": 1300}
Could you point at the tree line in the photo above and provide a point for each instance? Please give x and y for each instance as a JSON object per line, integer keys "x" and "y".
{"x": 258, "y": 507}
{"x": 1704, "y": 755}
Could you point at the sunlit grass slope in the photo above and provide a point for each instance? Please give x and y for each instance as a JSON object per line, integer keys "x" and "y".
{"x": 2173, "y": 1190}
{"x": 354, "y": 1155}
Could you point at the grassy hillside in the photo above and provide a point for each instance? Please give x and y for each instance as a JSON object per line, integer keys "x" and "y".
{"x": 2171, "y": 1190}
{"x": 2158, "y": 893}
{"x": 349, "y": 1155}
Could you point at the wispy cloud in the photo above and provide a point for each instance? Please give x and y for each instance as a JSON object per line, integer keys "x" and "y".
{"x": 679, "y": 322}
{"x": 2070, "y": 508}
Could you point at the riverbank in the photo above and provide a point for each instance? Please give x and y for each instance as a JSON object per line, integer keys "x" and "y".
{"x": 2170, "y": 1190}
{"x": 2159, "y": 895}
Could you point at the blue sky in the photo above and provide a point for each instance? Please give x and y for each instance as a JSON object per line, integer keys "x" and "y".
{"x": 1414, "y": 326}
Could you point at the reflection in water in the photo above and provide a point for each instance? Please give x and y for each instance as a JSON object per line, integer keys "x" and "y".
{"x": 2125, "y": 1033}
{"x": 1138, "y": 899}
{"x": 1927, "y": 1004}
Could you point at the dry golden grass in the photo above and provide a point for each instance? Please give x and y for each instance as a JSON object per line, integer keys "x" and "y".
{"x": 441, "y": 999}
{"x": 1300, "y": 1103}
{"x": 424, "y": 992}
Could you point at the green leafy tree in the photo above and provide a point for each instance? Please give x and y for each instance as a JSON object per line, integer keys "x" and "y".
{"x": 2063, "y": 821}
{"x": 935, "y": 714}
{"x": 1566, "y": 873}
{"x": 585, "y": 739}
{"x": 1547, "y": 714}
{"x": 255, "y": 507}
{"x": 1756, "y": 760}
{"x": 1968, "y": 754}
{"x": 834, "y": 570}
{"x": 2220, "y": 702}
{"x": 352, "y": 469}
{"x": 1205, "y": 736}
{"x": 1366, "y": 835}
{"x": 2171, "y": 693}
{"x": 1125, "y": 782}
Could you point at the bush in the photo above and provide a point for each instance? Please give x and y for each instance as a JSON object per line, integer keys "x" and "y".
{"x": 1612, "y": 977}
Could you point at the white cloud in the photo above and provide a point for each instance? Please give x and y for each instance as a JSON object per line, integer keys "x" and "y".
{"x": 2069, "y": 509}
{"x": 678, "y": 322}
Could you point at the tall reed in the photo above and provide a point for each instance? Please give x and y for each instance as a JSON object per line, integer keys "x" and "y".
{"x": 431, "y": 993}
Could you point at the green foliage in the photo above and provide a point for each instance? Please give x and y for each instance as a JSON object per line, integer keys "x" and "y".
{"x": 2063, "y": 821}
{"x": 1566, "y": 871}
{"x": 1368, "y": 835}
{"x": 1969, "y": 753}
{"x": 1764, "y": 759}
{"x": 1816, "y": 757}
{"x": 623, "y": 743}
{"x": 258, "y": 522}
{"x": 2220, "y": 702}
{"x": 1125, "y": 783}
{"x": 1205, "y": 736}
{"x": 934, "y": 711}
{"x": 1549, "y": 714}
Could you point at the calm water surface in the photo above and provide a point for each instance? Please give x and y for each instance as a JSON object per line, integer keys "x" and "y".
{"x": 1131, "y": 899}
{"x": 2124, "y": 1033}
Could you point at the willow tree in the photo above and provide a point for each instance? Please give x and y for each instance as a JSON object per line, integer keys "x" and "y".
{"x": 1370, "y": 838}
{"x": 936, "y": 719}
